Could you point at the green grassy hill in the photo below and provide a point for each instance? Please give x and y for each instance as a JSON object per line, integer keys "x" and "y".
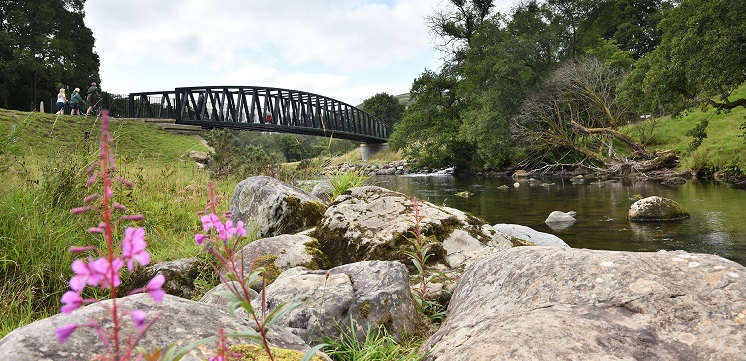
{"x": 724, "y": 150}
{"x": 43, "y": 162}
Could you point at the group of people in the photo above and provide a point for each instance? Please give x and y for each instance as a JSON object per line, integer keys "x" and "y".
{"x": 92, "y": 99}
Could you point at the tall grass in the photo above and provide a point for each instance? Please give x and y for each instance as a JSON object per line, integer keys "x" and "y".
{"x": 45, "y": 179}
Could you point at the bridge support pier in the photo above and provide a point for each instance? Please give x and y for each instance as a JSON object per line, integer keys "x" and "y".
{"x": 367, "y": 150}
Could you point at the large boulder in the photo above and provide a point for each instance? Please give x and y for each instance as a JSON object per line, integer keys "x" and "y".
{"x": 362, "y": 295}
{"x": 656, "y": 209}
{"x": 274, "y": 207}
{"x": 526, "y": 236}
{"x": 374, "y": 223}
{"x": 179, "y": 321}
{"x": 546, "y": 303}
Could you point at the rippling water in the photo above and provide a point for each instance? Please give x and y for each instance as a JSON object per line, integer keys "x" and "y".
{"x": 717, "y": 225}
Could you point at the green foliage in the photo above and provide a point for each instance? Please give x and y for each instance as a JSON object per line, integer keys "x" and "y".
{"x": 43, "y": 45}
{"x": 342, "y": 181}
{"x": 700, "y": 60}
{"x": 719, "y": 151}
{"x": 36, "y": 227}
{"x": 461, "y": 115}
{"x": 385, "y": 107}
{"x": 419, "y": 256}
{"x": 233, "y": 160}
{"x": 8, "y": 147}
{"x": 430, "y": 126}
{"x": 377, "y": 345}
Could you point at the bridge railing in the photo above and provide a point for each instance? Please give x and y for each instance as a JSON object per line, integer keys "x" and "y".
{"x": 275, "y": 109}
{"x": 249, "y": 107}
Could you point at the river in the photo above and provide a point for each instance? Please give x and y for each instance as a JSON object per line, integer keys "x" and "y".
{"x": 717, "y": 224}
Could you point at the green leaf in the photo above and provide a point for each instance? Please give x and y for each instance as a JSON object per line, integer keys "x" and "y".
{"x": 312, "y": 352}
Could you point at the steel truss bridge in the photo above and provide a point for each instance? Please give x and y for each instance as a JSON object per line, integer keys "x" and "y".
{"x": 261, "y": 109}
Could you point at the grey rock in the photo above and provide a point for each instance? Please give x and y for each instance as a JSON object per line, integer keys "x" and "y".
{"x": 558, "y": 216}
{"x": 546, "y": 303}
{"x": 279, "y": 253}
{"x": 179, "y": 321}
{"x": 558, "y": 221}
{"x": 199, "y": 156}
{"x": 274, "y": 207}
{"x": 323, "y": 191}
{"x": 374, "y": 223}
{"x": 362, "y": 295}
{"x": 656, "y": 209}
{"x": 526, "y": 236}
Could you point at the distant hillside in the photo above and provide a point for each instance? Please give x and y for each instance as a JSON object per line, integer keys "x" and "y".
{"x": 404, "y": 99}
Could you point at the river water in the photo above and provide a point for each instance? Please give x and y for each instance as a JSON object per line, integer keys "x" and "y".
{"x": 717, "y": 224}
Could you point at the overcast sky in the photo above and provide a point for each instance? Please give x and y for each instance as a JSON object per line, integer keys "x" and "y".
{"x": 348, "y": 50}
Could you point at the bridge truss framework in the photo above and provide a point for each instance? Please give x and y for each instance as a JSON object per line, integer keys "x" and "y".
{"x": 263, "y": 109}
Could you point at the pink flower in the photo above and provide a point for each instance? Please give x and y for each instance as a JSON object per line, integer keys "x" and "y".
{"x": 210, "y": 221}
{"x": 138, "y": 318}
{"x": 240, "y": 231}
{"x": 64, "y": 332}
{"x": 72, "y": 302}
{"x": 154, "y": 287}
{"x": 199, "y": 238}
{"x": 133, "y": 247}
{"x": 84, "y": 275}
{"x": 108, "y": 273}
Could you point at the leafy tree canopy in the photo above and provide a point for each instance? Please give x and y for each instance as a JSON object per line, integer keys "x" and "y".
{"x": 385, "y": 107}
{"x": 44, "y": 45}
{"x": 700, "y": 60}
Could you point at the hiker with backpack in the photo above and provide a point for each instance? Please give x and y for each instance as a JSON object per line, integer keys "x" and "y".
{"x": 93, "y": 97}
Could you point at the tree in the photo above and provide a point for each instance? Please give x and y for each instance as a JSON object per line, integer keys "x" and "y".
{"x": 700, "y": 61}
{"x": 429, "y": 128}
{"x": 577, "y": 109}
{"x": 44, "y": 46}
{"x": 458, "y": 23}
{"x": 385, "y": 107}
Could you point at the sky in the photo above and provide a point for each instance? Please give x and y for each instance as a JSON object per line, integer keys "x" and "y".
{"x": 348, "y": 50}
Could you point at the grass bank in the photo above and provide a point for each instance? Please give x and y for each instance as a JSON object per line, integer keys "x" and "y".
{"x": 43, "y": 159}
{"x": 722, "y": 151}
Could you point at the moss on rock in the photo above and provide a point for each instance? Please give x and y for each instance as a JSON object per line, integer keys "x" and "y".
{"x": 271, "y": 271}
{"x": 319, "y": 260}
{"x": 301, "y": 215}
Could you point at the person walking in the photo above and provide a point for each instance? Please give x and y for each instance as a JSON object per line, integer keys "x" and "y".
{"x": 61, "y": 100}
{"x": 75, "y": 101}
{"x": 92, "y": 98}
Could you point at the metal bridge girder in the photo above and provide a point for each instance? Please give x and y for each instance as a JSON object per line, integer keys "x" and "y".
{"x": 246, "y": 107}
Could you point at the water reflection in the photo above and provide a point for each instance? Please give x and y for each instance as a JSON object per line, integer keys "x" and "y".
{"x": 717, "y": 224}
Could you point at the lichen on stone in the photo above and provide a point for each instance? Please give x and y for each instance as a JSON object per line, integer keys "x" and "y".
{"x": 257, "y": 353}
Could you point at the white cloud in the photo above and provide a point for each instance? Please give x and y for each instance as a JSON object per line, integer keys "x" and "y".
{"x": 345, "y": 49}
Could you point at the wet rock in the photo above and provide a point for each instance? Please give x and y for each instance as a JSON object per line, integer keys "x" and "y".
{"x": 558, "y": 220}
{"x": 656, "y": 209}
{"x": 526, "y": 236}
